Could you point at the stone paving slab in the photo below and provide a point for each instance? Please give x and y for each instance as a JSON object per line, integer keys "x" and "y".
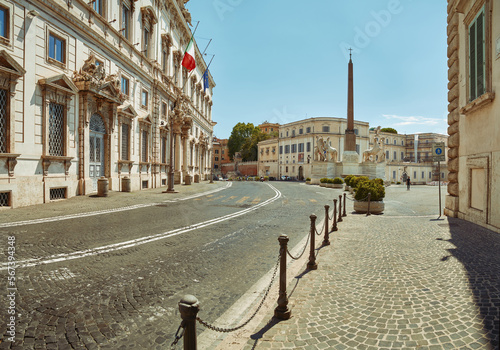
{"x": 394, "y": 282}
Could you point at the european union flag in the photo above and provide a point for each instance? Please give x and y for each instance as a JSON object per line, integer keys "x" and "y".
{"x": 206, "y": 84}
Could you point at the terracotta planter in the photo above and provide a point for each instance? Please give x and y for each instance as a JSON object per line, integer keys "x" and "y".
{"x": 376, "y": 207}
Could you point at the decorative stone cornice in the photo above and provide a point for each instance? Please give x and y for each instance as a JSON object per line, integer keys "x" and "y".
{"x": 10, "y": 162}
{"x": 478, "y": 103}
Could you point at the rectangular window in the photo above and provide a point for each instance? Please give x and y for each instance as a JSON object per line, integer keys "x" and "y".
{"x": 145, "y": 41}
{"x": 423, "y": 175}
{"x": 395, "y": 155}
{"x": 98, "y": 6}
{"x": 57, "y": 48}
{"x": 144, "y": 99}
{"x": 4, "y": 122}
{"x": 164, "y": 109}
{"x": 281, "y": 149}
{"x": 56, "y": 129}
{"x": 216, "y": 151}
{"x": 387, "y": 155}
{"x": 144, "y": 148}
{"x": 293, "y": 133}
{"x": 216, "y": 159}
{"x": 308, "y": 147}
{"x": 308, "y": 130}
{"x": 357, "y": 149}
{"x": 125, "y": 86}
{"x": 356, "y": 132}
{"x": 301, "y": 147}
{"x": 164, "y": 60}
{"x": 125, "y": 138}
{"x": 402, "y": 155}
{"x": 477, "y": 57}
{"x": 294, "y": 148}
{"x": 326, "y": 129}
{"x": 414, "y": 175}
{"x": 125, "y": 21}
{"x": 287, "y": 149}
{"x": 301, "y": 131}
{"x": 222, "y": 151}
{"x": 4, "y": 22}
{"x": 394, "y": 174}
{"x": 164, "y": 149}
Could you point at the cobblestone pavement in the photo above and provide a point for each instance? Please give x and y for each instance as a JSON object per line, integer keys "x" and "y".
{"x": 393, "y": 281}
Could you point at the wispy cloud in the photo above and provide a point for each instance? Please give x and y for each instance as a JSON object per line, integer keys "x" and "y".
{"x": 413, "y": 120}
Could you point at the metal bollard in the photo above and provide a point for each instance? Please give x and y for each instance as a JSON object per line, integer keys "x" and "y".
{"x": 344, "y": 214}
{"x": 282, "y": 311}
{"x": 189, "y": 307}
{"x": 340, "y": 209}
{"x": 311, "y": 265}
{"x": 368, "y": 211}
{"x": 334, "y": 226}
{"x": 102, "y": 187}
{"x": 326, "y": 240}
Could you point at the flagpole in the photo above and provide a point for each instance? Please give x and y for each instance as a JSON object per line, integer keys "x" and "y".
{"x": 206, "y": 48}
{"x": 206, "y": 70}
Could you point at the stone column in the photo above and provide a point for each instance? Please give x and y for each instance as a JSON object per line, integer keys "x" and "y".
{"x": 177, "y": 153}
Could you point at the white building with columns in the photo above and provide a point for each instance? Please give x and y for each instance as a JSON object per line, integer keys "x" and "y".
{"x": 96, "y": 89}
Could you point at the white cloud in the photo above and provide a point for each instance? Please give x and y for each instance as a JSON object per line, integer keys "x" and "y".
{"x": 413, "y": 120}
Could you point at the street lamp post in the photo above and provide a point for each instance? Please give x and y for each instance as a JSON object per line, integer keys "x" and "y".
{"x": 170, "y": 188}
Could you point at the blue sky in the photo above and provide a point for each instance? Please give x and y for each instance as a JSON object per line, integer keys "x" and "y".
{"x": 286, "y": 60}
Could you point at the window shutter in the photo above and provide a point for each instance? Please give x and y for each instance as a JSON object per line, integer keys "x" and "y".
{"x": 472, "y": 61}
{"x": 480, "y": 55}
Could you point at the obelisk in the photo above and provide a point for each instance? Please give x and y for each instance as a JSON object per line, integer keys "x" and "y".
{"x": 350, "y": 136}
{"x": 350, "y": 155}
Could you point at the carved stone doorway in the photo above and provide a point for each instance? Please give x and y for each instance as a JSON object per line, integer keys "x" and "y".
{"x": 96, "y": 149}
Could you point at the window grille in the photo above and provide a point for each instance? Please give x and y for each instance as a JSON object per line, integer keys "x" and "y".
{"x": 3, "y": 121}
{"x": 125, "y": 138}
{"x": 145, "y": 184}
{"x": 144, "y": 146}
{"x": 164, "y": 182}
{"x": 164, "y": 150}
{"x": 56, "y": 129}
{"x": 57, "y": 193}
{"x": 4, "y": 199}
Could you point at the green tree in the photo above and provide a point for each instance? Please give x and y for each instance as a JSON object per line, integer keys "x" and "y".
{"x": 249, "y": 149}
{"x": 241, "y": 132}
{"x": 389, "y": 130}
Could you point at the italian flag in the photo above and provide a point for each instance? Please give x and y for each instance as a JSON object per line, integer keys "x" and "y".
{"x": 188, "y": 60}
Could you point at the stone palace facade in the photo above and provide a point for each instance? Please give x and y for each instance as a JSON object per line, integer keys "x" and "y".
{"x": 93, "y": 89}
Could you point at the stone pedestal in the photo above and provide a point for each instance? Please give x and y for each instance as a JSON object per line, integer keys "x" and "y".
{"x": 323, "y": 169}
{"x": 373, "y": 170}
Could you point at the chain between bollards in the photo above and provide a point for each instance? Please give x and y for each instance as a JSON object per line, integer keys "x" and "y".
{"x": 312, "y": 265}
{"x": 334, "y": 226}
{"x": 340, "y": 209}
{"x": 326, "y": 240}
{"x": 344, "y": 214}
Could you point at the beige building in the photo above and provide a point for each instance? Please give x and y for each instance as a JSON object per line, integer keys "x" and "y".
{"x": 268, "y": 158}
{"x": 474, "y": 109}
{"x": 297, "y": 141}
{"x": 93, "y": 89}
{"x": 220, "y": 155}
{"x": 269, "y": 128}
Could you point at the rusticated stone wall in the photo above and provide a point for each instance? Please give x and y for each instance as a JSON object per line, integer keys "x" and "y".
{"x": 453, "y": 109}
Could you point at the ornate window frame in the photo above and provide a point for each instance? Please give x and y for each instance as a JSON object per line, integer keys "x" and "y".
{"x": 126, "y": 29}
{"x": 145, "y": 130}
{"x": 166, "y": 44}
{"x": 148, "y": 19}
{"x": 126, "y": 115}
{"x": 58, "y": 89}
{"x": 10, "y": 72}
{"x": 7, "y": 40}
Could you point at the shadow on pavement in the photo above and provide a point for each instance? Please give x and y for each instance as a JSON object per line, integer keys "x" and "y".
{"x": 478, "y": 249}
{"x": 270, "y": 324}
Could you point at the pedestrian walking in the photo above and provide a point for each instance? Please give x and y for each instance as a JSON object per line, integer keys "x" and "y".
{"x": 408, "y": 183}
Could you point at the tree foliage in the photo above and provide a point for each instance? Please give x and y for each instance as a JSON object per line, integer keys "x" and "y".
{"x": 244, "y": 138}
{"x": 389, "y": 130}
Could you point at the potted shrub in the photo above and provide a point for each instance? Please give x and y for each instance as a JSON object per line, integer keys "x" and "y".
{"x": 329, "y": 183}
{"x": 308, "y": 181}
{"x": 323, "y": 181}
{"x": 337, "y": 182}
{"x": 376, "y": 190}
{"x": 347, "y": 181}
{"x": 266, "y": 178}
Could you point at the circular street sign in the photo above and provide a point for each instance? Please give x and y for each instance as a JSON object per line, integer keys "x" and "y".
{"x": 439, "y": 151}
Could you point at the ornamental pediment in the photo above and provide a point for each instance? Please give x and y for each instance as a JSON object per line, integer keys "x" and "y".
{"x": 128, "y": 111}
{"x": 146, "y": 119}
{"x": 60, "y": 82}
{"x": 8, "y": 65}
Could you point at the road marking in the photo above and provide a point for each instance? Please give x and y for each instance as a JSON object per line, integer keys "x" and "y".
{"x": 313, "y": 200}
{"x": 242, "y": 200}
{"x": 139, "y": 241}
{"x": 256, "y": 200}
{"x": 229, "y": 199}
{"x": 108, "y": 211}
{"x": 301, "y": 202}
{"x": 214, "y": 199}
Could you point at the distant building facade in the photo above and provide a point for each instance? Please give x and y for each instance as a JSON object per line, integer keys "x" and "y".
{"x": 268, "y": 158}
{"x": 220, "y": 154}
{"x": 269, "y": 128}
{"x": 96, "y": 89}
{"x": 474, "y": 109}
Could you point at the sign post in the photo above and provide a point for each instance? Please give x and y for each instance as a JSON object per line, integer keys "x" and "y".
{"x": 438, "y": 155}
